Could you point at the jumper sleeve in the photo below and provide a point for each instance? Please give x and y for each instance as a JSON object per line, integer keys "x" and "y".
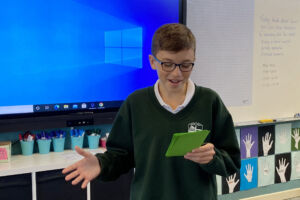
{"x": 227, "y": 158}
{"x": 118, "y": 159}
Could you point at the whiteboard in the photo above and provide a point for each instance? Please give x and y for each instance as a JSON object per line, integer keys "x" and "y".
{"x": 249, "y": 53}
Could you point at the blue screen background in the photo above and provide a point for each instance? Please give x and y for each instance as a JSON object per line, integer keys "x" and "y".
{"x": 77, "y": 50}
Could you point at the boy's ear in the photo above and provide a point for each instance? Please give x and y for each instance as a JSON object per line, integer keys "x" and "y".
{"x": 152, "y": 62}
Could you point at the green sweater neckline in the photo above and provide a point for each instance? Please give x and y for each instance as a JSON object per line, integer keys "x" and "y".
{"x": 182, "y": 113}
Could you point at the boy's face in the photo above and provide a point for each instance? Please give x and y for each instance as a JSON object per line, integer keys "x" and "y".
{"x": 176, "y": 80}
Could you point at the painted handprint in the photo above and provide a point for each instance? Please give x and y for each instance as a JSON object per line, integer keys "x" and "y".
{"x": 281, "y": 170}
{"x": 297, "y": 166}
{"x": 248, "y": 144}
{"x": 267, "y": 143}
{"x": 231, "y": 182}
{"x": 266, "y": 168}
{"x": 249, "y": 170}
{"x": 296, "y": 137}
{"x": 282, "y": 137}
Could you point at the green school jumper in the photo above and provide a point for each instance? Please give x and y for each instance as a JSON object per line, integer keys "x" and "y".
{"x": 140, "y": 137}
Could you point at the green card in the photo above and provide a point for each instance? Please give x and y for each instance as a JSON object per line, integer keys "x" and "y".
{"x": 182, "y": 143}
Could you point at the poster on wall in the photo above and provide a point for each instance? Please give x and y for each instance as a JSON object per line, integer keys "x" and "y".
{"x": 283, "y": 138}
{"x": 295, "y": 165}
{"x": 266, "y": 140}
{"x": 266, "y": 170}
{"x": 248, "y": 142}
{"x": 248, "y": 174}
{"x": 282, "y": 168}
{"x": 295, "y": 139}
{"x": 231, "y": 183}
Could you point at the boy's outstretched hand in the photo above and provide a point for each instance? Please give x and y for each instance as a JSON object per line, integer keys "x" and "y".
{"x": 84, "y": 170}
{"x": 202, "y": 155}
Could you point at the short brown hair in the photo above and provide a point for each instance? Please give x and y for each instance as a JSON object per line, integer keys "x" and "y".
{"x": 173, "y": 37}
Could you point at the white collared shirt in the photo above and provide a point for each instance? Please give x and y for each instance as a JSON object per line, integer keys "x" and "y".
{"x": 188, "y": 96}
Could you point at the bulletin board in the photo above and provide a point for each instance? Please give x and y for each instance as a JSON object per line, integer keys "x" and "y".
{"x": 249, "y": 53}
{"x": 270, "y": 155}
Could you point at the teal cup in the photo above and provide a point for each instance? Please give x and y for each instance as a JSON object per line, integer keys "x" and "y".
{"x": 93, "y": 141}
{"x": 27, "y": 147}
{"x": 76, "y": 141}
{"x": 44, "y": 146}
{"x": 58, "y": 144}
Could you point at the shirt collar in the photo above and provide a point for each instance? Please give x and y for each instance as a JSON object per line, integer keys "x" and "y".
{"x": 188, "y": 96}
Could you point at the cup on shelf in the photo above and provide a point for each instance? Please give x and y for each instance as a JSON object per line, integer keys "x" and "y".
{"x": 76, "y": 141}
{"x": 58, "y": 144}
{"x": 93, "y": 141}
{"x": 44, "y": 146}
{"x": 103, "y": 142}
{"x": 27, "y": 147}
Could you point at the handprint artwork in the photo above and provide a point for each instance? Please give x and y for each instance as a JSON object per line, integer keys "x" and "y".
{"x": 281, "y": 170}
{"x": 249, "y": 170}
{"x": 295, "y": 165}
{"x": 266, "y": 170}
{"x": 248, "y": 173}
{"x": 283, "y": 138}
{"x": 266, "y": 140}
{"x": 231, "y": 182}
{"x": 266, "y": 157}
{"x": 267, "y": 143}
{"x": 296, "y": 137}
{"x": 248, "y": 144}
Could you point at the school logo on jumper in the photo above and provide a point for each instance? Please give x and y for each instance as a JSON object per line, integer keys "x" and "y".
{"x": 195, "y": 126}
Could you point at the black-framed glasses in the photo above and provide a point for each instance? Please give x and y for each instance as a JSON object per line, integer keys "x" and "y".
{"x": 169, "y": 66}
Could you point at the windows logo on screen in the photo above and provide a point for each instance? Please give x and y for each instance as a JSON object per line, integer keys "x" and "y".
{"x": 124, "y": 47}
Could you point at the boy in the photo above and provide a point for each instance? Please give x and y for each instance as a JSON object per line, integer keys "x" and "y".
{"x": 147, "y": 120}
